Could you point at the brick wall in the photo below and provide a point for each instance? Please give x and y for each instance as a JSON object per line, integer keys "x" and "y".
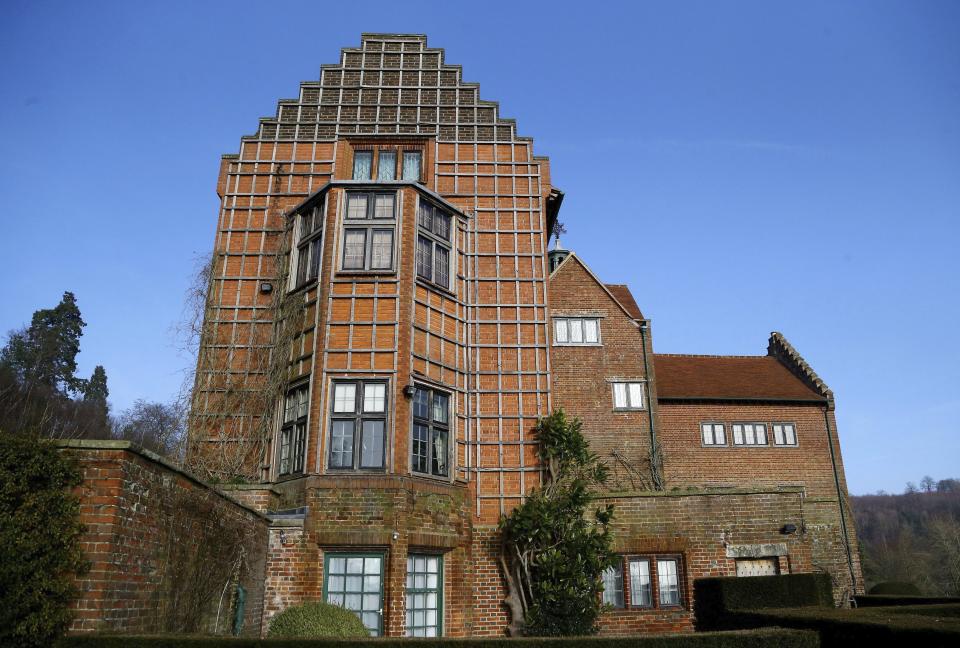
{"x": 151, "y": 528}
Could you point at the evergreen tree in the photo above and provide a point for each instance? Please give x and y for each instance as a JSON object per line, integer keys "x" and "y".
{"x": 95, "y": 394}
{"x": 44, "y": 354}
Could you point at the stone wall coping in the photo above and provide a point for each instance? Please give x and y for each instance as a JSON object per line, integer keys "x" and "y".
{"x": 286, "y": 522}
{"x": 152, "y": 457}
{"x": 250, "y": 487}
{"x": 786, "y": 490}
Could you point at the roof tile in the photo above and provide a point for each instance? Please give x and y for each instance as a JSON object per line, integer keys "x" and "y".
{"x": 728, "y": 378}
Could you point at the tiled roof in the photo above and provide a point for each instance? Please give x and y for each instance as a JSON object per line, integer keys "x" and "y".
{"x": 728, "y": 378}
{"x": 623, "y": 295}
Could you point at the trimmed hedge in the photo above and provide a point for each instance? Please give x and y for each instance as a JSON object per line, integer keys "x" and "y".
{"x": 741, "y": 639}
{"x": 900, "y": 588}
{"x": 842, "y": 628}
{"x": 716, "y": 598}
{"x": 889, "y": 600}
{"x": 317, "y": 619}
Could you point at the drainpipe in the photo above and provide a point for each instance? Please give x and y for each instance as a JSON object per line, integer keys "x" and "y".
{"x": 843, "y": 517}
{"x": 654, "y": 466}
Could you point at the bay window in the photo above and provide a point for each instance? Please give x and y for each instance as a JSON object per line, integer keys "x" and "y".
{"x": 358, "y": 425}
{"x": 431, "y": 432}
{"x": 434, "y": 234}
{"x": 293, "y": 431}
{"x": 368, "y": 231}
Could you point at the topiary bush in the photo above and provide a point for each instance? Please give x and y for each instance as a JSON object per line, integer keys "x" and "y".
{"x": 716, "y": 598}
{"x": 317, "y": 619}
{"x": 40, "y": 552}
{"x": 895, "y": 587}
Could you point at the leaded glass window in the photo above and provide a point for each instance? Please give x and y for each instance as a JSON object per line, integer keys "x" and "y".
{"x": 293, "y": 431}
{"x": 368, "y": 233}
{"x": 429, "y": 452}
{"x": 434, "y": 244}
{"x": 355, "y": 582}
{"x": 424, "y": 596}
{"x": 358, "y": 425}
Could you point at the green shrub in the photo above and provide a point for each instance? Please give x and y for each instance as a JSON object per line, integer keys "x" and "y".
{"x": 40, "y": 551}
{"x": 317, "y": 619}
{"x": 715, "y": 598}
{"x": 895, "y": 587}
{"x": 741, "y": 639}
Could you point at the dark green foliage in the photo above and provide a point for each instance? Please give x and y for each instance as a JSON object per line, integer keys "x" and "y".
{"x": 879, "y": 626}
{"x": 45, "y": 353}
{"x": 716, "y": 598}
{"x": 95, "y": 395}
{"x": 317, "y": 619}
{"x": 39, "y": 541}
{"x": 741, "y": 639}
{"x": 895, "y": 587}
{"x": 554, "y": 551}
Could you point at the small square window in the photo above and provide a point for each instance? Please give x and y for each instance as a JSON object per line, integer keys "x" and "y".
{"x": 628, "y": 395}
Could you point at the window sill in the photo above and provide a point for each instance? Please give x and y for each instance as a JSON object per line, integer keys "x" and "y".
{"x": 444, "y": 479}
{"x": 366, "y": 273}
{"x": 304, "y": 286}
{"x": 426, "y": 283}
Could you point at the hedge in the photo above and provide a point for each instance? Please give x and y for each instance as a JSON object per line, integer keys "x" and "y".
{"x": 842, "y": 628}
{"x": 887, "y": 600}
{"x": 317, "y": 619}
{"x": 762, "y": 638}
{"x": 716, "y": 598}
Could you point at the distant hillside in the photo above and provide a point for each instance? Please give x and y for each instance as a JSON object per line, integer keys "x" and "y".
{"x": 914, "y": 537}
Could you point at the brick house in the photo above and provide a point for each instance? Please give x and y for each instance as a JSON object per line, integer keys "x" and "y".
{"x": 384, "y": 327}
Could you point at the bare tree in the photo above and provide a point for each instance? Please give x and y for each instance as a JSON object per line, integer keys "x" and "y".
{"x": 158, "y": 427}
{"x": 928, "y": 484}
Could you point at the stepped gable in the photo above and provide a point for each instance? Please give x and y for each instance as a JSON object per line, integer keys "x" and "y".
{"x": 393, "y": 84}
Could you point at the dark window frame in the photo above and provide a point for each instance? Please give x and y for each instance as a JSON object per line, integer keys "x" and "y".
{"x": 292, "y": 439}
{"x": 629, "y": 407}
{"x": 428, "y": 215}
{"x": 399, "y": 152}
{"x": 369, "y": 224}
{"x": 773, "y": 434}
{"x": 433, "y": 428}
{"x": 358, "y": 416}
{"x": 307, "y": 248}
{"x": 653, "y": 561}
{"x": 723, "y": 428}
{"x": 766, "y": 434}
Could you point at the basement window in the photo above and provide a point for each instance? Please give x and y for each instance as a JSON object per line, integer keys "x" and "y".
{"x": 431, "y": 432}
{"x": 784, "y": 434}
{"x": 434, "y": 233}
{"x": 749, "y": 434}
{"x": 368, "y": 230}
{"x": 358, "y": 425}
{"x": 713, "y": 434}
{"x": 628, "y": 395}
{"x": 572, "y": 331}
{"x": 293, "y": 432}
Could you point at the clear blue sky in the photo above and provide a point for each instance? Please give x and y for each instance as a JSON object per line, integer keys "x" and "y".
{"x": 744, "y": 166}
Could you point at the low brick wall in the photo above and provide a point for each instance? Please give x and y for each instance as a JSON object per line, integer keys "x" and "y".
{"x": 166, "y": 550}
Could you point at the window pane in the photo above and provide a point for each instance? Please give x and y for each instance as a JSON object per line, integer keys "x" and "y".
{"x": 356, "y": 205}
{"x": 440, "y": 405}
{"x": 790, "y": 434}
{"x": 421, "y": 403}
{"x": 738, "y": 434}
{"x": 560, "y": 330}
{"x": 290, "y": 411}
{"x": 371, "y": 448}
{"x": 441, "y": 266}
{"x": 383, "y": 206}
{"x": 362, "y": 161}
{"x": 387, "y": 166}
{"x": 636, "y": 395}
{"x": 707, "y": 431}
{"x": 778, "y": 434}
{"x": 761, "y": 431}
{"x": 421, "y": 434}
{"x": 303, "y": 259}
{"x": 299, "y": 446}
{"x": 305, "y": 225}
{"x": 612, "y": 579}
{"x": 341, "y": 444}
{"x": 669, "y": 586}
{"x": 439, "y": 466}
{"x": 424, "y": 258}
{"x": 374, "y": 397}
{"x": 381, "y": 254}
{"x": 576, "y": 330}
{"x": 315, "y": 252}
{"x": 640, "y": 583}
{"x": 285, "y": 450}
{"x": 354, "y": 242}
{"x": 719, "y": 435}
{"x": 425, "y": 218}
{"x": 590, "y": 331}
{"x": 303, "y": 401}
{"x": 441, "y": 225}
{"x": 344, "y": 398}
{"x": 423, "y": 612}
{"x": 411, "y": 165}
{"x": 619, "y": 394}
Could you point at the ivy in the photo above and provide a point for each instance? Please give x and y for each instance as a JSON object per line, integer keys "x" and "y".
{"x": 553, "y": 550}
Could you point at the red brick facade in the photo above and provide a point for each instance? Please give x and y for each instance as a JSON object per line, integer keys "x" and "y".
{"x": 152, "y": 533}
{"x": 486, "y": 339}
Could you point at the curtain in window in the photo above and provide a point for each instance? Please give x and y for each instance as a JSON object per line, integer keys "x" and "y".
{"x": 590, "y": 331}
{"x": 612, "y": 579}
{"x": 636, "y": 395}
{"x": 387, "y": 166}
{"x": 619, "y": 394}
{"x": 382, "y": 249}
{"x": 411, "y": 166}
{"x": 362, "y": 165}
{"x": 354, "y": 242}
{"x": 439, "y": 452}
{"x": 560, "y": 330}
{"x": 383, "y": 206}
{"x": 576, "y": 330}
{"x": 669, "y": 584}
{"x": 640, "y": 583}
{"x": 357, "y": 205}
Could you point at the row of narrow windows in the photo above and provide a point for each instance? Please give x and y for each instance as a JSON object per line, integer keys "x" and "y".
{"x": 748, "y": 434}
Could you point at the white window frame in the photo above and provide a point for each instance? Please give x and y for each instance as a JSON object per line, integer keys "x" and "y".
{"x": 564, "y": 323}
{"x": 632, "y": 390}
